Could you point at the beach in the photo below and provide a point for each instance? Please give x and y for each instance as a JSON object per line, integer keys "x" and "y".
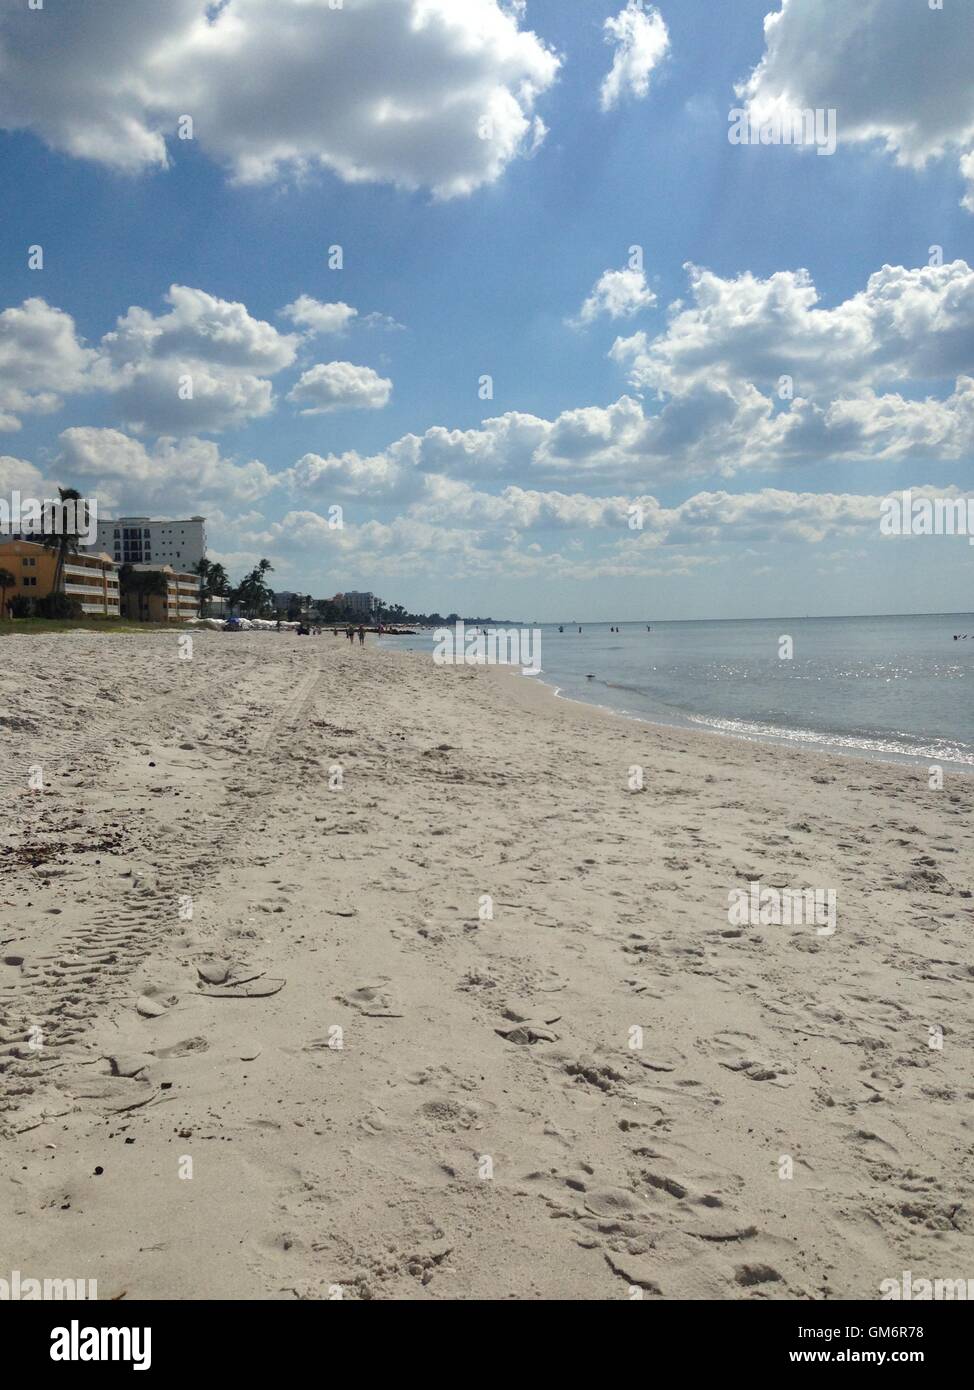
{"x": 328, "y": 972}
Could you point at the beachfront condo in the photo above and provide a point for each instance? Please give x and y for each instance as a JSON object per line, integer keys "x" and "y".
{"x": 92, "y": 579}
{"x": 139, "y": 540}
{"x": 179, "y": 602}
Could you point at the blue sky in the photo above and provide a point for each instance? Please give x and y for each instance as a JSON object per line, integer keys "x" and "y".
{"x": 467, "y": 256}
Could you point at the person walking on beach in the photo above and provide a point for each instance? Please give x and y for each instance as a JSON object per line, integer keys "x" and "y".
{"x": 361, "y": 635}
{"x": 350, "y": 633}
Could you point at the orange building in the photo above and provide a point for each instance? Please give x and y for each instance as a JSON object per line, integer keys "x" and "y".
{"x": 91, "y": 579}
{"x": 181, "y": 599}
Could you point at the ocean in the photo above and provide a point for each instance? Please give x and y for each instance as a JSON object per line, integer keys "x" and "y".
{"x": 898, "y": 688}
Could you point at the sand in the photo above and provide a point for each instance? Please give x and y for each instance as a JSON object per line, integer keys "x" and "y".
{"x": 445, "y": 917}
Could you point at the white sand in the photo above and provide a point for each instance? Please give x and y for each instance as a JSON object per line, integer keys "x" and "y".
{"x": 432, "y": 1157}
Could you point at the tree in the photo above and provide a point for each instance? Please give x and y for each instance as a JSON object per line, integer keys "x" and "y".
{"x": 252, "y": 595}
{"x": 7, "y": 581}
{"x": 213, "y": 582}
{"x": 62, "y": 537}
{"x": 58, "y": 605}
{"x": 139, "y": 585}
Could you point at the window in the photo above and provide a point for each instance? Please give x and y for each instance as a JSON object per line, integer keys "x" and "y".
{"x": 117, "y": 534}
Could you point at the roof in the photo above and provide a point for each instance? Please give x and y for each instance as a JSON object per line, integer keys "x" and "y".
{"x": 15, "y": 546}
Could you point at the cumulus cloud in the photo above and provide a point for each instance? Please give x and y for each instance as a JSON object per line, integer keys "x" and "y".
{"x": 42, "y": 359}
{"x": 331, "y": 386}
{"x": 347, "y": 475}
{"x": 708, "y": 419}
{"x": 755, "y": 373}
{"x": 618, "y": 294}
{"x": 640, "y": 39}
{"x": 915, "y": 324}
{"x": 173, "y": 475}
{"x": 419, "y": 93}
{"x": 458, "y": 531}
{"x": 895, "y": 71}
{"x": 18, "y": 475}
{"x": 204, "y": 365}
{"x": 316, "y": 317}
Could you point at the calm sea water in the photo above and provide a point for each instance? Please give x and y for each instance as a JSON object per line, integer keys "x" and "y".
{"x": 893, "y": 687}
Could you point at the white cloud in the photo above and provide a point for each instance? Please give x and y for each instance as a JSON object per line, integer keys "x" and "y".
{"x": 641, "y": 40}
{"x": 908, "y": 324}
{"x": 967, "y": 169}
{"x": 203, "y": 366}
{"x": 330, "y": 386}
{"x": 17, "y": 475}
{"x": 381, "y": 90}
{"x": 317, "y": 317}
{"x": 617, "y": 293}
{"x": 753, "y": 373}
{"x": 347, "y": 475}
{"x": 174, "y": 475}
{"x": 459, "y": 532}
{"x": 41, "y": 360}
{"x": 896, "y": 71}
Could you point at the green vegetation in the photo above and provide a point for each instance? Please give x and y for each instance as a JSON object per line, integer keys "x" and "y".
{"x": 251, "y": 598}
{"x": 11, "y": 627}
{"x": 213, "y": 582}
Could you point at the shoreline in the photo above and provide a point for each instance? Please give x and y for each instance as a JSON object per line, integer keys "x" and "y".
{"x": 908, "y": 762}
{"x": 588, "y": 1089}
{"x": 827, "y": 743}
{"x": 857, "y": 753}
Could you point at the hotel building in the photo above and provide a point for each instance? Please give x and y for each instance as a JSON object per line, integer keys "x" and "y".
{"x": 180, "y": 601}
{"x": 137, "y": 540}
{"x": 91, "y": 579}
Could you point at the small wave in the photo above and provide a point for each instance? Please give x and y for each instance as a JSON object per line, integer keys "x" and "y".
{"x": 938, "y": 750}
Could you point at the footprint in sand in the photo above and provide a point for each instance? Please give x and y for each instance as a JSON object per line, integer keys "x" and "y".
{"x": 376, "y": 1000}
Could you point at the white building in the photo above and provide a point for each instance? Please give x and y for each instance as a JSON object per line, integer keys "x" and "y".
{"x": 364, "y": 605}
{"x": 138, "y": 540}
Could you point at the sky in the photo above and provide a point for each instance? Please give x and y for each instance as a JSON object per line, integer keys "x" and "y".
{"x": 479, "y": 306}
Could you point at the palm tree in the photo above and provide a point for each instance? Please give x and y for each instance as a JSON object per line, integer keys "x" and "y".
{"x": 219, "y": 583}
{"x": 213, "y": 582}
{"x": 252, "y": 594}
{"x": 7, "y": 580}
{"x": 61, "y": 538}
{"x": 204, "y": 569}
{"x": 140, "y": 585}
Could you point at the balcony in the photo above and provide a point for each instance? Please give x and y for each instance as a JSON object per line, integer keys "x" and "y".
{"x": 94, "y": 571}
